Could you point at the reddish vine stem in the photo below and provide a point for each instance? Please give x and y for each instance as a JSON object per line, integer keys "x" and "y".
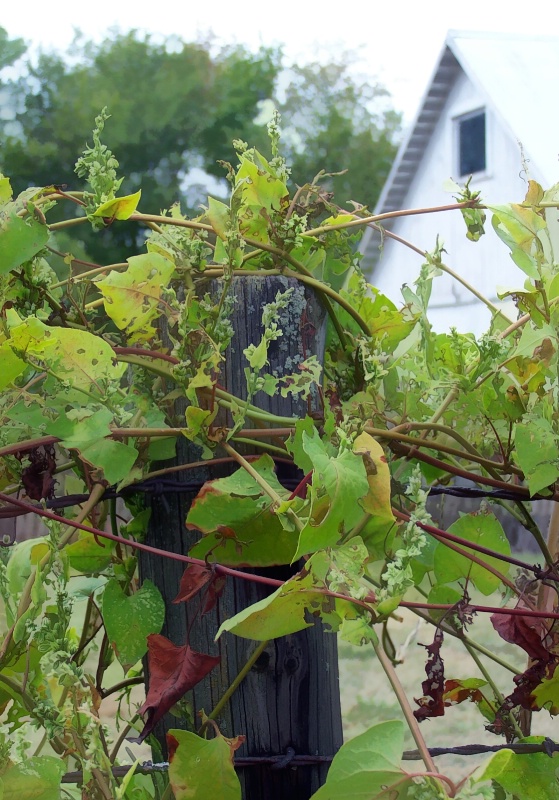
{"x": 235, "y": 573}
{"x": 440, "y": 534}
{"x": 402, "y": 450}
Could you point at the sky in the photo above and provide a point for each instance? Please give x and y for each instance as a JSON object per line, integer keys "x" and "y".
{"x": 395, "y": 43}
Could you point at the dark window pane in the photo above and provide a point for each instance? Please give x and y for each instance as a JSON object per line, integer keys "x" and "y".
{"x": 472, "y": 144}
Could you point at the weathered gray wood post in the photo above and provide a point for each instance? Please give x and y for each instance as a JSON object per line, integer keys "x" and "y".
{"x": 289, "y": 702}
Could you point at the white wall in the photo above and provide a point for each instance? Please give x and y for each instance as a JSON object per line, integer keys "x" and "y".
{"x": 486, "y": 264}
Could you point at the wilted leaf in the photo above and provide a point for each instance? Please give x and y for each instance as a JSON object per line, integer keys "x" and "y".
{"x": 432, "y": 704}
{"x": 173, "y": 671}
{"x": 194, "y": 578}
{"x": 527, "y": 632}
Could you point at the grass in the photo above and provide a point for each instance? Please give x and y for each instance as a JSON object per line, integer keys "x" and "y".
{"x": 367, "y": 697}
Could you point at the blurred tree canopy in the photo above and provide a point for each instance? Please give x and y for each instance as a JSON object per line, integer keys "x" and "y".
{"x": 177, "y": 106}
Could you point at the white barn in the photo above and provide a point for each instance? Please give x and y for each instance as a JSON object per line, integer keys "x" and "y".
{"x": 490, "y": 110}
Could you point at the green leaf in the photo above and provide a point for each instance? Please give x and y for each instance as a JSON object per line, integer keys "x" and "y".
{"x": 338, "y": 484}
{"x": 132, "y": 297}
{"x": 23, "y": 557}
{"x": 11, "y": 366}
{"x": 116, "y": 459}
{"x": 129, "y": 619}
{"x": 20, "y": 240}
{"x": 88, "y": 554}
{"x": 537, "y": 453}
{"x": 367, "y": 766}
{"x": 481, "y": 528}
{"x": 5, "y": 190}
{"x": 293, "y": 607}
{"x": 531, "y": 776}
{"x": 219, "y": 216}
{"x": 38, "y": 778}
{"x": 203, "y": 768}
{"x": 119, "y": 207}
{"x": 239, "y": 525}
{"x": 518, "y": 227}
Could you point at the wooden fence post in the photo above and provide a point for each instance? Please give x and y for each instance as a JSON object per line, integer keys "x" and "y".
{"x": 289, "y": 703}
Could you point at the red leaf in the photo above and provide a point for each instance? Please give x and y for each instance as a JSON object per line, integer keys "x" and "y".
{"x": 172, "y": 744}
{"x": 432, "y": 704}
{"x": 173, "y": 670}
{"x": 215, "y": 590}
{"x": 522, "y": 695}
{"x": 193, "y": 579}
{"x": 526, "y": 632}
{"x": 37, "y": 478}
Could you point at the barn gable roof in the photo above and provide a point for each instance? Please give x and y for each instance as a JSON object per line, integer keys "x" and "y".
{"x": 517, "y": 74}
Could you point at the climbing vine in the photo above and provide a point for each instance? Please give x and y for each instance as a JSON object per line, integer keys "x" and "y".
{"x": 105, "y": 366}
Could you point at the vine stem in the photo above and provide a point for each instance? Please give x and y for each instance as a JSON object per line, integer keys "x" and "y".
{"x": 264, "y": 485}
{"x": 25, "y": 600}
{"x": 448, "y": 541}
{"x": 235, "y": 573}
{"x": 239, "y": 678}
{"x": 451, "y": 537}
{"x": 430, "y": 444}
{"x": 404, "y": 705}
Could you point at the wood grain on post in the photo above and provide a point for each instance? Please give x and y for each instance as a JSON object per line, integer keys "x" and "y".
{"x": 290, "y": 698}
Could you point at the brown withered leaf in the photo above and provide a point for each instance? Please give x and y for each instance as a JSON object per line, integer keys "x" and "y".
{"x": 521, "y": 696}
{"x": 525, "y": 631}
{"x": 432, "y": 703}
{"x": 173, "y": 670}
{"x": 38, "y": 477}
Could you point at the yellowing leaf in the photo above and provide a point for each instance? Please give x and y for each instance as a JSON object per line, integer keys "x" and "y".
{"x": 132, "y": 297}
{"x": 119, "y": 207}
{"x": 84, "y": 360}
{"x": 377, "y": 500}
{"x": 5, "y": 190}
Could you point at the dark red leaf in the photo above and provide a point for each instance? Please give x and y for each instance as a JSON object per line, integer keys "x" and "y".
{"x": 432, "y": 704}
{"x": 215, "y": 590}
{"x": 173, "y": 671}
{"x": 38, "y": 477}
{"x": 193, "y": 579}
{"x": 527, "y": 632}
{"x": 522, "y": 695}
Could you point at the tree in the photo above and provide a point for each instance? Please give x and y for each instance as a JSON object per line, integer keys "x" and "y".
{"x": 10, "y": 49}
{"x": 336, "y": 124}
{"x": 177, "y": 106}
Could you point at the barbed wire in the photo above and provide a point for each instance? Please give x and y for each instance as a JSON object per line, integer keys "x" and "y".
{"x": 290, "y": 758}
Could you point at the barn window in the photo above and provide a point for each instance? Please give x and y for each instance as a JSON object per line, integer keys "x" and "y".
{"x": 471, "y": 143}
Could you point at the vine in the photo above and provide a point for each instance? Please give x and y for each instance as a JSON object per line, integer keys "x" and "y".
{"x": 105, "y": 366}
